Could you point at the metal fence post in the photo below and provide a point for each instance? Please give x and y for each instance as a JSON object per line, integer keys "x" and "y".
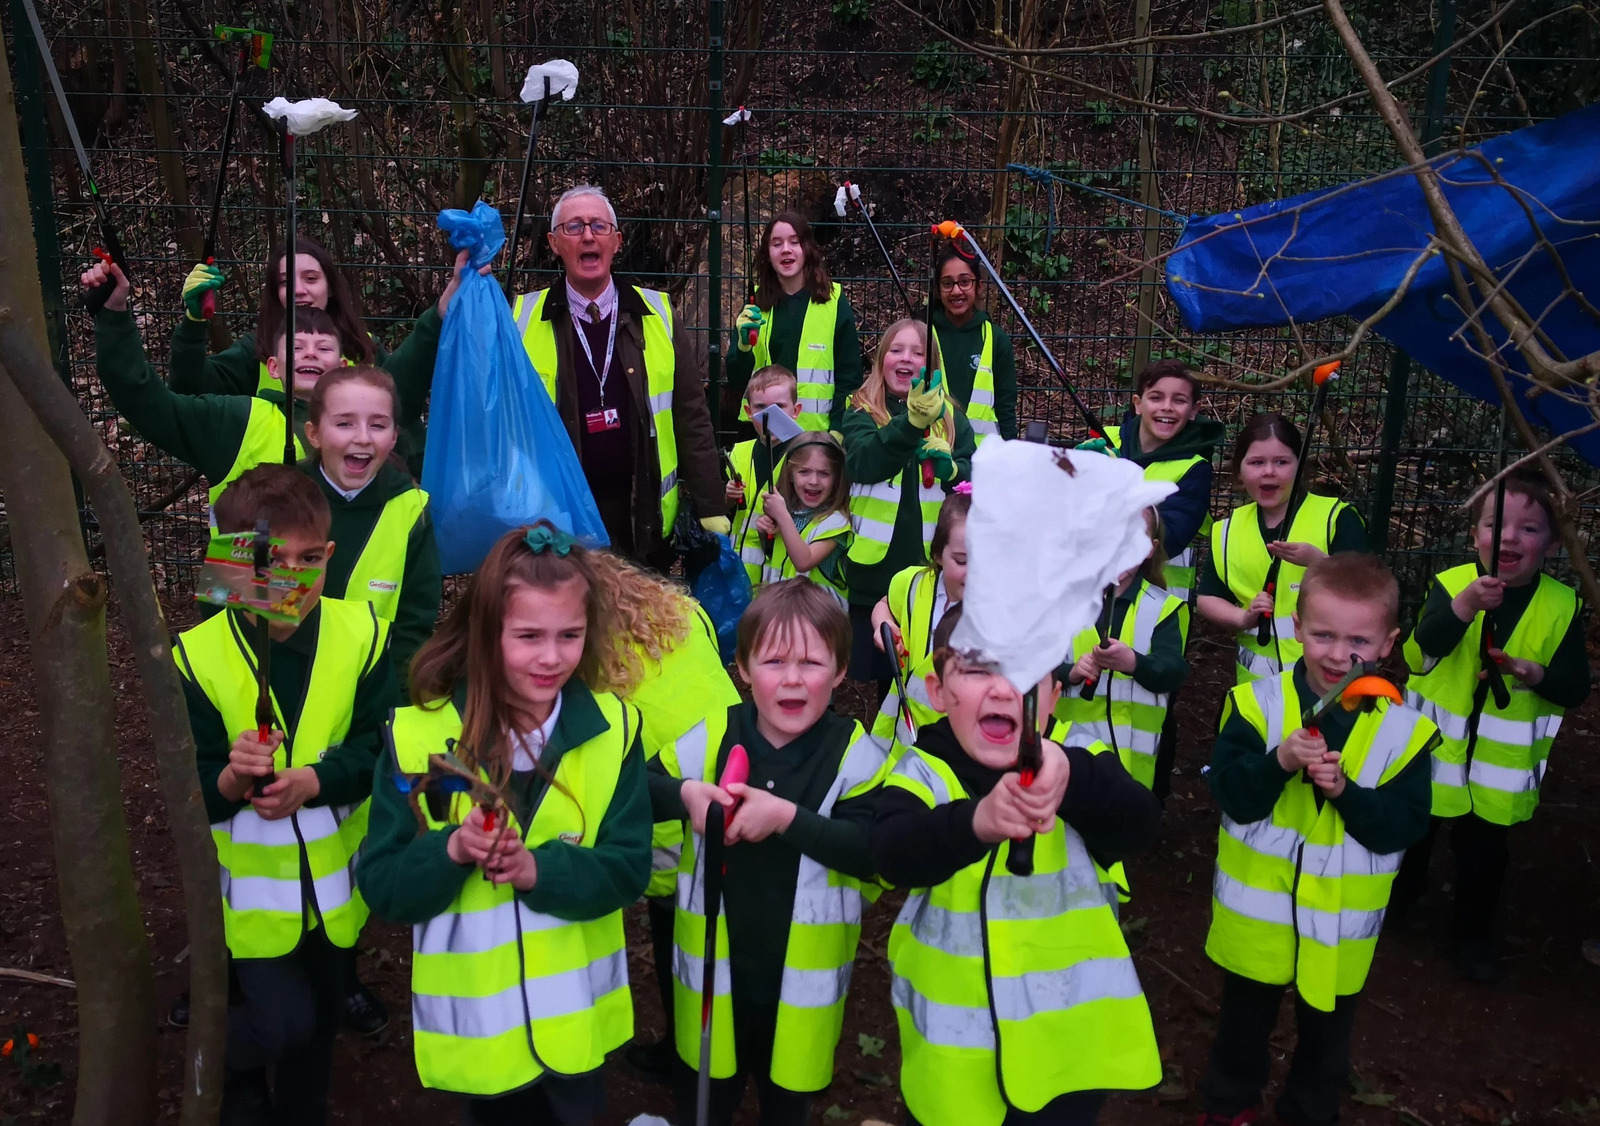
{"x": 1395, "y": 405}
{"x": 714, "y": 18}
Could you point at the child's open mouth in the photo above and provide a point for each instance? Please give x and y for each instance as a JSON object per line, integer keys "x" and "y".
{"x": 812, "y": 497}
{"x": 1510, "y": 560}
{"x": 792, "y": 707}
{"x": 357, "y": 464}
{"x": 997, "y": 727}
{"x": 786, "y": 263}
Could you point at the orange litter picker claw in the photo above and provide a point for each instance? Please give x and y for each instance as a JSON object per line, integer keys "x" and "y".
{"x": 1365, "y": 688}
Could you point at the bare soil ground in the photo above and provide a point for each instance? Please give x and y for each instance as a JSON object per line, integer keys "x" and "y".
{"x": 1429, "y": 1050}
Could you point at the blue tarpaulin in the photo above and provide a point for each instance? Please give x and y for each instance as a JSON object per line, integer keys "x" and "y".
{"x": 1344, "y": 251}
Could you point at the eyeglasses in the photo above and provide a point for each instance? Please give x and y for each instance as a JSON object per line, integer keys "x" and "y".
{"x": 574, "y": 227}
{"x": 950, "y": 285}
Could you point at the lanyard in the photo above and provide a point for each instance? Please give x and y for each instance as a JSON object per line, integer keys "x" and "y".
{"x": 611, "y": 345}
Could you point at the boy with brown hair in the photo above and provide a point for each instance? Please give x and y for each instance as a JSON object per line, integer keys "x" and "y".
{"x": 756, "y": 463}
{"x": 288, "y": 815}
{"x": 1491, "y": 763}
{"x": 1314, "y": 822}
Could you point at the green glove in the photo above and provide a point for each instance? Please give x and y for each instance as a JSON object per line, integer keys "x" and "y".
{"x": 749, "y": 318}
{"x": 1095, "y": 445}
{"x": 719, "y": 525}
{"x": 937, "y": 451}
{"x": 925, "y": 403}
{"x": 202, "y": 280}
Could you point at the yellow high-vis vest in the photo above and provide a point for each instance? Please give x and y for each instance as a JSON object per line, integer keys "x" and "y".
{"x": 501, "y": 994}
{"x": 746, "y": 536}
{"x": 1124, "y": 715}
{"x": 913, "y": 594}
{"x": 980, "y": 406}
{"x": 1500, "y": 780}
{"x": 823, "y": 931}
{"x": 266, "y": 903}
{"x": 1295, "y": 897}
{"x": 1181, "y": 568}
{"x": 380, "y": 568}
{"x": 814, "y": 363}
{"x": 1012, "y": 991}
{"x": 832, "y": 526}
{"x": 660, "y": 364}
{"x": 1240, "y": 555}
{"x": 262, "y": 444}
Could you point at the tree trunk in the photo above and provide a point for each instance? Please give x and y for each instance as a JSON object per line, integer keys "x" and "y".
{"x": 64, "y": 602}
{"x": 103, "y": 979}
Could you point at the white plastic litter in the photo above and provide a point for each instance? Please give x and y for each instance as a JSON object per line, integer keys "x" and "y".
{"x": 839, "y": 198}
{"x": 648, "y": 1120}
{"x": 1042, "y": 544}
{"x": 778, "y": 424}
{"x": 737, "y": 117}
{"x": 308, "y": 115}
{"x": 563, "y": 78}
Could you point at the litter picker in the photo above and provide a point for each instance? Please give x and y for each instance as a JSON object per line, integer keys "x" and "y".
{"x": 1325, "y": 374}
{"x": 955, "y": 232}
{"x": 736, "y": 769}
{"x": 110, "y": 250}
{"x": 1358, "y": 688}
{"x": 1102, "y": 627}
{"x": 239, "y": 574}
{"x": 741, "y": 116}
{"x": 932, "y": 358}
{"x": 255, "y": 49}
{"x": 849, "y": 194}
{"x": 557, "y": 76}
{"x": 292, "y": 120}
{"x": 892, "y": 651}
{"x": 1493, "y": 678}
{"x": 776, "y": 429}
{"x": 1033, "y": 585}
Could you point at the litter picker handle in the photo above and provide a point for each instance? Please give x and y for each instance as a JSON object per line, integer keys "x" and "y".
{"x": 1103, "y": 628}
{"x": 1491, "y": 668}
{"x": 1019, "y": 859}
{"x": 712, "y": 869}
{"x": 886, "y": 636}
{"x": 110, "y": 253}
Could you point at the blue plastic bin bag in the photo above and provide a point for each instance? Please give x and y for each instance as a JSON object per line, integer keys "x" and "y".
{"x": 722, "y": 588}
{"x": 498, "y": 456}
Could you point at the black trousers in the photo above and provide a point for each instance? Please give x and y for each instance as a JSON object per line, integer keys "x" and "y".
{"x": 753, "y": 1029}
{"x": 1240, "y": 1060}
{"x": 1166, "y": 749}
{"x": 660, "y": 908}
{"x": 1080, "y": 1108}
{"x": 1482, "y": 853}
{"x": 282, "y": 1019}
{"x": 555, "y": 1100}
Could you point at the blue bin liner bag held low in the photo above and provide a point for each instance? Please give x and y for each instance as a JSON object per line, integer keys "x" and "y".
{"x": 723, "y": 590}
{"x": 498, "y": 456}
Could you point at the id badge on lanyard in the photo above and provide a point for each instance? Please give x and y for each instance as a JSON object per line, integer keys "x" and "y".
{"x": 602, "y": 419}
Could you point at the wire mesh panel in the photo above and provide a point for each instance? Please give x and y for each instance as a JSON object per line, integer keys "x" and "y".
{"x": 1075, "y": 171}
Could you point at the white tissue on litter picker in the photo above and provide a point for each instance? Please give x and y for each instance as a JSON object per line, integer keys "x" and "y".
{"x": 737, "y": 117}
{"x": 839, "y": 198}
{"x": 1042, "y": 544}
{"x": 308, "y": 115}
{"x": 563, "y": 78}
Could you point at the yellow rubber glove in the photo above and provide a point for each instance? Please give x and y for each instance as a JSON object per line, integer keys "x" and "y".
{"x": 749, "y": 318}
{"x": 201, "y": 280}
{"x": 720, "y": 525}
{"x": 925, "y": 402}
{"x": 937, "y": 450}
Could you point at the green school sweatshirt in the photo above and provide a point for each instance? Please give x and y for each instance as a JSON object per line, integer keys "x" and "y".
{"x": 759, "y": 877}
{"x": 345, "y": 772}
{"x": 1183, "y": 513}
{"x": 876, "y": 453}
{"x": 203, "y": 431}
{"x": 788, "y": 317}
{"x": 1247, "y": 781}
{"x": 237, "y": 370}
{"x": 963, "y": 348}
{"x": 407, "y": 876}
{"x": 422, "y": 583}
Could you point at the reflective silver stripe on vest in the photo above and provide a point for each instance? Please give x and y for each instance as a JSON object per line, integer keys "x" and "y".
{"x": 661, "y": 402}
{"x": 815, "y": 989}
{"x": 1448, "y": 773}
{"x": 1044, "y": 991}
{"x": 912, "y": 766}
{"x": 1269, "y": 695}
{"x": 690, "y": 968}
{"x": 314, "y": 822}
{"x": 528, "y": 301}
{"x": 814, "y": 406}
{"x": 1450, "y": 725}
{"x": 691, "y": 751}
{"x": 956, "y": 1026}
{"x": 665, "y": 859}
{"x": 668, "y": 483}
{"x": 476, "y": 932}
{"x": 539, "y": 998}
{"x": 1259, "y": 664}
{"x": 658, "y": 302}
{"x": 286, "y": 895}
{"x": 980, "y": 396}
{"x": 984, "y": 426}
{"x": 1518, "y": 732}
{"x": 1507, "y": 779}
{"x": 890, "y": 709}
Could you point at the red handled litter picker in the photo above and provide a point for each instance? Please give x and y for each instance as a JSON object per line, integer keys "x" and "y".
{"x": 1494, "y": 681}
{"x": 736, "y": 769}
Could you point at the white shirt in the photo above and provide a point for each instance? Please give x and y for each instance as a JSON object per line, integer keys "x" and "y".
{"x": 941, "y": 603}
{"x": 579, "y": 304}
{"x": 526, "y": 749}
{"x": 348, "y": 494}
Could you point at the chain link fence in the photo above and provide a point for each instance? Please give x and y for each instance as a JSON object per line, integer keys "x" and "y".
{"x": 1108, "y": 150}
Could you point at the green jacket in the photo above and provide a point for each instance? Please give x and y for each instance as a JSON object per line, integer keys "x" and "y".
{"x": 203, "y": 431}
{"x": 236, "y": 370}
{"x": 407, "y": 876}
{"x": 1247, "y": 781}
{"x": 789, "y": 317}
{"x": 1183, "y": 514}
{"x": 422, "y": 587}
{"x": 876, "y": 453}
{"x": 963, "y": 346}
{"x": 345, "y": 772}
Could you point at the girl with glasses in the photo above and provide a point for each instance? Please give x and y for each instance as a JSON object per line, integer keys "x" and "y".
{"x": 980, "y": 368}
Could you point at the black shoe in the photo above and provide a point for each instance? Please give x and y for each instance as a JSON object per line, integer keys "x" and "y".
{"x": 652, "y": 1061}
{"x": 178, "y": 1015}
{"x": 1477, "y": 961}
{"x": 363, "y": 1012}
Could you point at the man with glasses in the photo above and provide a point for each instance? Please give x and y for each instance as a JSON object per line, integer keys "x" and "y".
{"x": 622, "y": 376}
